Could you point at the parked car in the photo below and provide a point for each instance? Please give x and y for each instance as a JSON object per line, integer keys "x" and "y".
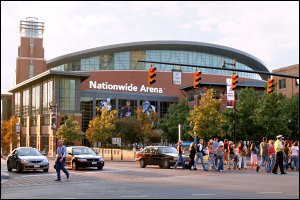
{"x": 27, "y": 158}
{"x": 81, "y": 156}
{"x": 162, "y": 156}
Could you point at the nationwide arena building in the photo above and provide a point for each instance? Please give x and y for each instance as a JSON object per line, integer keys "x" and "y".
{"x": 74, "y": 84}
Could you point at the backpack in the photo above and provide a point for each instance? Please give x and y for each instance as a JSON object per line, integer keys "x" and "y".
{"x": 244, "y": 152}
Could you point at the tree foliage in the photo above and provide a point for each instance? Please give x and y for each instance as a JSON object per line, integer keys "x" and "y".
{"x": 129, "y": 129}
{"x": 69, "y": 131}
{"x": 206, "y": 118}
{"x": 9, "y": 132}
{"x": 177, "y": 114}
{"x": 102, "y": 127}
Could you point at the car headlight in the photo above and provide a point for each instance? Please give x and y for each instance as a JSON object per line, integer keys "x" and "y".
{"x": 45, "y": 161}
{"x": 101, "y": 159}
{"x": 79, "y": 159}
{"x": 24, "y": 161}
{"x": 175, "y": 158}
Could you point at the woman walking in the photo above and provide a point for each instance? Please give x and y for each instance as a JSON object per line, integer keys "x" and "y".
{"x": 242, "y": 154}
{"x": 192, "y": 154}
{"x": 254, "y": 152}
{"x": 271, "y": 152}
{"x": 211, "y": 155}
{"x": 180, "y": 159}
{"x": 220, "y": 152}
{"x": 231, "y": 155}
{"x": 295, "y": 156}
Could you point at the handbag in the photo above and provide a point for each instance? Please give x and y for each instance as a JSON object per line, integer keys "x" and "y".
{"x": 205, "y": 152}
{"x": 244, "y": 152}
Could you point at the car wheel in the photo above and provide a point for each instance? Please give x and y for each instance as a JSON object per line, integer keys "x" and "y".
{"x": 166, "y": 163}
{"x": 45, "y": 170}
{"x": 161, "y": 166}
{"x": 74, "y": 166}
{"x": 18, "y": 168}
{"x": 100, "y": 167}
{"x": 8, "y": 167}
{"x": 142, "y": 163}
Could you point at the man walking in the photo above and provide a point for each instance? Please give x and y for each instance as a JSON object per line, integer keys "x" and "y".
{"x": 61, "y": 160}
{"x": 200, "y": 149}
{"x": 216, "y": 144}
{"x": 225, "y": 156}
{"x": 264, "y": 155}
{"x": 279, "y": 152}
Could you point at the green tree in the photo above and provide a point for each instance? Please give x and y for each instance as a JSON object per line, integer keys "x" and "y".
{"x": 206, "y": 118}
{"x": 69, "y": 131}
{"x": 270, "y": 115}
{"x": 177, "y": 114}
{"x": 129, "y": 129}
{"x": 102, "y": 127}
{"x": 4, "y": 131}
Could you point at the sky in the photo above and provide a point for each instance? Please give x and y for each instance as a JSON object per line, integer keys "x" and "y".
{"x": 266, "y": 30}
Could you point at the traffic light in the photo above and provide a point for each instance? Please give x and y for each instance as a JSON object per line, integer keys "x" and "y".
{"x": 197, "y": 78}
{"x": 234, "y": 81}
{"x": 270, "y": 86}
{"x": 151, "y": 80}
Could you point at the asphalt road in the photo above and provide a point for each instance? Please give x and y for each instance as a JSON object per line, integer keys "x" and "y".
{"x": 126, "y": 180}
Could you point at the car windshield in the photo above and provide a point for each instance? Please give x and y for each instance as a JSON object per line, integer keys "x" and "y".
{"x": 83, "y": 151}
{"x": 29, "y": 152}
{"x": 167, "y": 150}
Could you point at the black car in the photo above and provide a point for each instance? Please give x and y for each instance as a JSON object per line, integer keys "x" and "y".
{"x": 81, "y": 156}
{"x": 27, "y": 158}
{"x": 162, "y": 156}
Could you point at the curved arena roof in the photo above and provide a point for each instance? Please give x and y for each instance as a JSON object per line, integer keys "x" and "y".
{"x": 214, "y": 49}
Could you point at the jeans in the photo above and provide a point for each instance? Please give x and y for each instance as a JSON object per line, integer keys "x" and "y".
{"x": 272, "y": 162}
{"x": 230, "y": 157}
{"x": 295, "y": 162}
{"x": 244, "y": 160}
{"x": 199, "y": 155}
{"x": 220, "y": 162}
{"x": 61, "y": 166}
{"x": 180, "y": 159}
{"x": 286, "y": 162}
{"x": 211, "y": 161}
{"x": 216, "y": 161}
{"x": 263, "y": 160}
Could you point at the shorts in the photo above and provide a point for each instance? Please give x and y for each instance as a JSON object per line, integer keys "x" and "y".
{"x": 254, "y": 159}
{"x": 225, "y": 157}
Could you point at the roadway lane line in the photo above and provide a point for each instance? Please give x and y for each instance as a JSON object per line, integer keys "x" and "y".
{"x": 202, "y": 194}
{"x": 133, "y": 196}
{"x": 106, "y": 171}
{"x": 39, "y": 175}
{"x": 269, "y": 192}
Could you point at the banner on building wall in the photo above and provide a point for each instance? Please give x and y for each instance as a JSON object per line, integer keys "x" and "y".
{"x": 230, "y": 94}
{"x": 53, "y": 122}
{"x": 18, "y": 128}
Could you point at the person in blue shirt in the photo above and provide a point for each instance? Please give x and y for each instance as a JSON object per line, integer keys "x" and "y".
{"x": 215, "y": 145}
{"x": 61, "y": 160}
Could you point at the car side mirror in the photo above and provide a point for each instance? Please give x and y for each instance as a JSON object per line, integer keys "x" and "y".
{"x": 96, "y": 153}
{"x": 70, "y": 154}
{"x": 44, "y": 154}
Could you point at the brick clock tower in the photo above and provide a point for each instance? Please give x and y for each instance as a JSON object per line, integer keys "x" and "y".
{"x": 30, "y": 60}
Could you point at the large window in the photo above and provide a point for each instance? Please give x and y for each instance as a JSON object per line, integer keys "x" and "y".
{"x": 17, "y": 104}
{"x": 47, "y": 101}
{"x": 129, "y": 60}
{"x": 86, "y": 107}
{"x": 217, "y": 94}
{"x": 35, "y": 104}
{"x": 67, "y": 94}
{"x": 282, "y": 84}
{"x": 25, "y": 106}
{"x": 31, "y": 71}
{"x": 297, "y": 82}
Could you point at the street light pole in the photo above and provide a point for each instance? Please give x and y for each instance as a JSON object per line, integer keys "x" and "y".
{"x": 56, "y": 123}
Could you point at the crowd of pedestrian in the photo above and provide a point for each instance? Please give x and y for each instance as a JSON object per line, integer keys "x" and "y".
{"x": 273, "y": 154}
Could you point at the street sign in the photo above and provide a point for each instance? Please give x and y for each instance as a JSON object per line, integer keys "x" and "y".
{"x": 18, "y": 128}
{"x": 116, "y": 141}
{"x": 176, "y": 77}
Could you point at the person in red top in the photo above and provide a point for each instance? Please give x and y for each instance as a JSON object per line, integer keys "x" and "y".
{"x": 271, "y": 152}
{"x": 225, "y": 157}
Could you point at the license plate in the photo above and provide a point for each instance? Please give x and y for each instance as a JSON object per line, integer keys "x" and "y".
{"x": 94, "y": 163}
{"x": 36, "y": 166}
{"x": 187, "y": 162}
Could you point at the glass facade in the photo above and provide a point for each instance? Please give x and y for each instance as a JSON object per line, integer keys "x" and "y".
{"x": 35, "y": 104}
{"x": 25, "y": 106}
{"x": 66, "y": 94}
{"x": 47, "y": 101}
{"x": 17, "y": 100}
{"x": 129, "y": 60}
{"x": 31, "y": 71}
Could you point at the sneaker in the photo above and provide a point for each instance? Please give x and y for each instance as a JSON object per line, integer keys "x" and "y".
{"x": 195, "y": 168}
{"x": 67, "y": 176}
{"x": 283, "y": 173}
{"x": 257, "y": 168}
{"x": 245, "y": 168}
{"x": 57, "y": 180}
{"x": 239, "y": 168}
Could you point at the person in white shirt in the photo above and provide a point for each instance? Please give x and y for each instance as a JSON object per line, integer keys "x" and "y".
{"x": 295, "y": 156}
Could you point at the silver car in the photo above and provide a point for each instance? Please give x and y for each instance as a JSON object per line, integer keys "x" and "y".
{"x": 27, "y": 158}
